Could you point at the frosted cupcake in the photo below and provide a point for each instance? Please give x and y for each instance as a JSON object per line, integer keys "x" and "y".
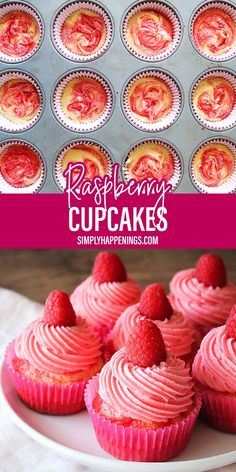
{"x": 20, "y": 165}
{"x": 51, "y": 361}
{"x": 214, "y": 369}
{"x": 203, "y": 294}
{"x": 19, "y": 34}
{"x": 179, "y": 335}
{"x": 143, "y": 405}
{"x": 103, "y": 296}
{"x": 19, "y": 100}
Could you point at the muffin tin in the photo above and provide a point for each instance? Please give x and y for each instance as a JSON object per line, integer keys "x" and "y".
{"x": 117, "y": 65}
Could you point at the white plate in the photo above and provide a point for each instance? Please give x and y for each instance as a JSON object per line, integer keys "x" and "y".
{"x": 73, "y": 437}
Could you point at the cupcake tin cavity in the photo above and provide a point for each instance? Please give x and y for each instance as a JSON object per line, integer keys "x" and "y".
{"x": 117, "y": 64}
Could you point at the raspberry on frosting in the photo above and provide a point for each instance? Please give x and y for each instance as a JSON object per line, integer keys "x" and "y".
{"x": 154, "y": 303}
{"x": 230, "y": 327}
{"x": 109, "y": 268}
{"x": 210, "y": 270}
{"x": 58, "y": 310}
{"x": 145, "y": 345}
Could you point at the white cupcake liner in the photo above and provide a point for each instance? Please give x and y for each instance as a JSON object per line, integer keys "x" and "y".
{"x": 178, "y": 164}
{"x": 227, "y": 187}
{"x": 226, "y": 7}
{"x": 230, "y": 120}
{"x": 60, "y": 179}
{"x": 18, "y": 6}
{"x": 77, "y": 126}
{"x": 166, "y": 10}
{"x": 176, "y": 105}
{"x": 5, "y": 187}
{"x": 7, "y": 125}
{"x": 60, "y": 19}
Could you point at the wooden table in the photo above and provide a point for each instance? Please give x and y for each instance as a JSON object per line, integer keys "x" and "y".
{"x": 35, "y": 273}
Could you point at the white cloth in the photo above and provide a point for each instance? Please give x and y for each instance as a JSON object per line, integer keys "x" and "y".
{"x": 18, "y": 452}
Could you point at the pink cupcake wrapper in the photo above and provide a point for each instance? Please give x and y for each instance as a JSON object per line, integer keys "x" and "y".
{"x": 230, "y": 120}
{"x": 178, "y": 166}
{"x": 170, "y": 119}
{"x": 63, "y": 15}
{"x": 5, "y": 187}
{"x": 42, "y": 397}
{"x": 219, "y": 410}
{"x": 82, "y": 126}
{"x": 18, "y": 6}
{"x": 166, "y": 10}
{"x": 227, "y": 187}
{"x": 136, "y": 444}
{"x": 5, "y": 123}
{"x": 60, "y": 179}
{"x": 226, "y": 7}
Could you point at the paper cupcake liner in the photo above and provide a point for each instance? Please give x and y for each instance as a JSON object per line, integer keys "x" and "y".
{"x": 60, "y": 179}
{"x": 42, "y": 397}
{"x": 176, "y": 105}
{"x": 63, "y": 14}
{"x": 136, "y": 444}
{"x": 219, "y": 410}
{"x": 227, "y": 187}
{"x": 77, "y": 126}
{"x": 5, "y": 187}
{"x": 7, "y": 125}
{"x": 178, "y": 165}
{"x": 230, "y": 120}
{"x": 226, "y": 7}
{"x": 159, "y": 7}
{"x": 25, "y": 7}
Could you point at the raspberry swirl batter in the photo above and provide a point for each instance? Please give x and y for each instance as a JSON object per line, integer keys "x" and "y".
{"x": 19, "y": 165}
{"x": 149, "y": 32}
{"x": 214, "y": 31}
{"x": 213, "y": 164}
{"x": 94, "y": 159}
{"x": 19, "y": 100}
{"x": 84, "y": 99}
{"x": 150, "y": 161}
{"x": 150, "y": 99}
{"x": 19, "y": 34}
{"x": 214, "y": 98}
{"x": 83, "y": 32}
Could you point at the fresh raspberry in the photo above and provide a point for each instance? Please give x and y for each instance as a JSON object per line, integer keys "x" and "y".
{"x": 145, "y": 345}
{"x": 230, "y": 326}
{"x": 109, "y": 268}
{"x": 210, "y": 270}
{"x": 154, "y": 303}
{"x": 58, "y": 310}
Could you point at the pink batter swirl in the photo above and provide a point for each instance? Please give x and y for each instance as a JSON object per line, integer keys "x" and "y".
{"x": 101, "y": 304}
{"x": 21, "y": 96}
{"x": 214, "y": 365}
{"x": 158, "y": 393}
{"x": 214, "y": 31}
{"x": 151, "y": 99}
{"x": 18, "y": 31}
{"x": 218, "y": 103}
{"x": 205, "y": 306}
{"x": 58, "y": 349}
{"x": 153, "y": 167}
{"x": 151, "y": 32}
{"x": 215, "y": 166}
{"x": 20, "y": 165}
{"x": 85, "y": 34}
{"x": 88, "y": 99}
{"x": 178, "y": 334}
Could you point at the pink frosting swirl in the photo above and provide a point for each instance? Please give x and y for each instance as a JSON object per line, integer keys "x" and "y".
{"x": 101, "y": 304}
{"x": 157, "y": 393}
{"x": 178, "y": 334}
{"x": 215, "y": 363}
{"x": 206, "y": 306}
{"x": 58, "y": 349}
